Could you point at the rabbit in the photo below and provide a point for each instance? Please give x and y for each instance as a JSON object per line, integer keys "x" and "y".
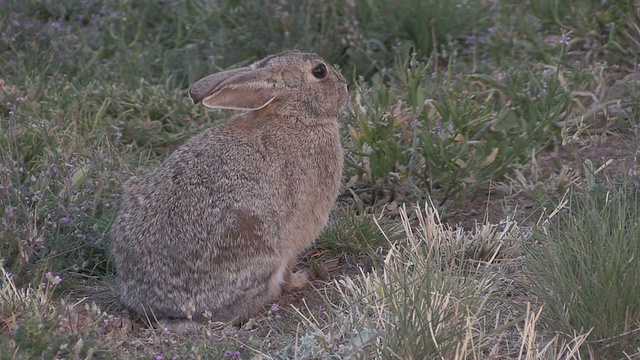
{"x": 213, "y": 233}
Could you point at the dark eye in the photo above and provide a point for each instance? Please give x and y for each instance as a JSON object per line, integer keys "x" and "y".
{"x": 320, "y": 71}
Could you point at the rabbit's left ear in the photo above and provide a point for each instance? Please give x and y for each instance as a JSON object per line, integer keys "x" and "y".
{"x": 239, "y": 89}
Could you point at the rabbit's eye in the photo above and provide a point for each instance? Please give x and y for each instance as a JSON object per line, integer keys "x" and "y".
{"x": 320, "y": 71}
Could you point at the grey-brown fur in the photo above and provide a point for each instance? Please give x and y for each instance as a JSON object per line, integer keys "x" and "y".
{"x": 212, "y": 233}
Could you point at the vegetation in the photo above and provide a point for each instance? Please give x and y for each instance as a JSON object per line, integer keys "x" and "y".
{"x": 530, "y": 108}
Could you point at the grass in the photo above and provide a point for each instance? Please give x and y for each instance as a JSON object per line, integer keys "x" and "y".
{"x": 492, "y": 102}
{"x": 424, "y": 303}
{"x": 588, "y": 261}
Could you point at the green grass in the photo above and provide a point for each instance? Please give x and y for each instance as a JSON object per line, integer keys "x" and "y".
{"x": 452, "y": 101}
{"x": 587, "y": 270}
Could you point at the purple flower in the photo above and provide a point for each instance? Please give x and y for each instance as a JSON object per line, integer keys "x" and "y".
{"x": 470, "y": 40}
{"x": 566, "y": 37}
{"x": 236, "y": 355}
{"x": 65, "y": 220}
{"x": 414, "y": 124}
{"x": 159, "y": 357}
{"x": 55, "y": 280}
{"x": 493, "y": 30}
{"x": 227, "y": 353}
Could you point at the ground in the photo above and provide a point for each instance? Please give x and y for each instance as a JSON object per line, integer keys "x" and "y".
{"x": 279, "y": 324}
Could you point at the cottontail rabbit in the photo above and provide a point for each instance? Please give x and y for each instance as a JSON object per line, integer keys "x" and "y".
{"x": 213, "y": 232}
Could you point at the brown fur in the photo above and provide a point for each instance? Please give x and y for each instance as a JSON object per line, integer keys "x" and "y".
{"x": 213, "y": 232}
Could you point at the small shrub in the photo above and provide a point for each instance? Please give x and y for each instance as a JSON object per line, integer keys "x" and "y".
{"x": 449, "y": 137}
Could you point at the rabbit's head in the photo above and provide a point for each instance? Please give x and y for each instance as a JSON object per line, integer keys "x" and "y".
{"x": 291, "y": 83}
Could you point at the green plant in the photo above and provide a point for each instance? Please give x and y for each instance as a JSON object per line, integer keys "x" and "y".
{"x": 350, "y": 233}
{"x": 586, "y": 271}
{"x": 36, "y": 320}
{"x": 427, "y": 24}
{"x": 450, "y": 137}
{"x": 616, "y": 38}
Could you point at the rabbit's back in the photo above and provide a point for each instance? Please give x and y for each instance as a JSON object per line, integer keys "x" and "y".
{"x": 197, "y": 231}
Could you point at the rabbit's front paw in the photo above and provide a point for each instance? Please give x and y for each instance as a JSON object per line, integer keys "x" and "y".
{"x": 296, "y": 280}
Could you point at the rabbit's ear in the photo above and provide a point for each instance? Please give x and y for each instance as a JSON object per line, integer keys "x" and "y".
{"x": 207, "y": 85}
{"x": 240, "y": 89}
{"x": 240, "y": 97}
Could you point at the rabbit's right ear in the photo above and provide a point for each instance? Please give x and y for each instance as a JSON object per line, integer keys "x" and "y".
{"x": 239, "y": 89}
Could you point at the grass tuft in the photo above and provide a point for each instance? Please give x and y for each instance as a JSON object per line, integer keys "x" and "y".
{"x": 422, "y": 303}
{"x": 586, "y": 272}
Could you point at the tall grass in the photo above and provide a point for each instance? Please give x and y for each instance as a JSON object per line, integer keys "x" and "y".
{"x": 587, "y": 271}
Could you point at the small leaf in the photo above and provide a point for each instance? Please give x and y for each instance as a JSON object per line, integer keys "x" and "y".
{"x": 79, "y": 175}
{"x": 461, "y": 163}
{"x": 491, "y": 158}
{"x": 77, "y": 178}
{"x": 505, "y": 121}
{"x": 78, "y": 348}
